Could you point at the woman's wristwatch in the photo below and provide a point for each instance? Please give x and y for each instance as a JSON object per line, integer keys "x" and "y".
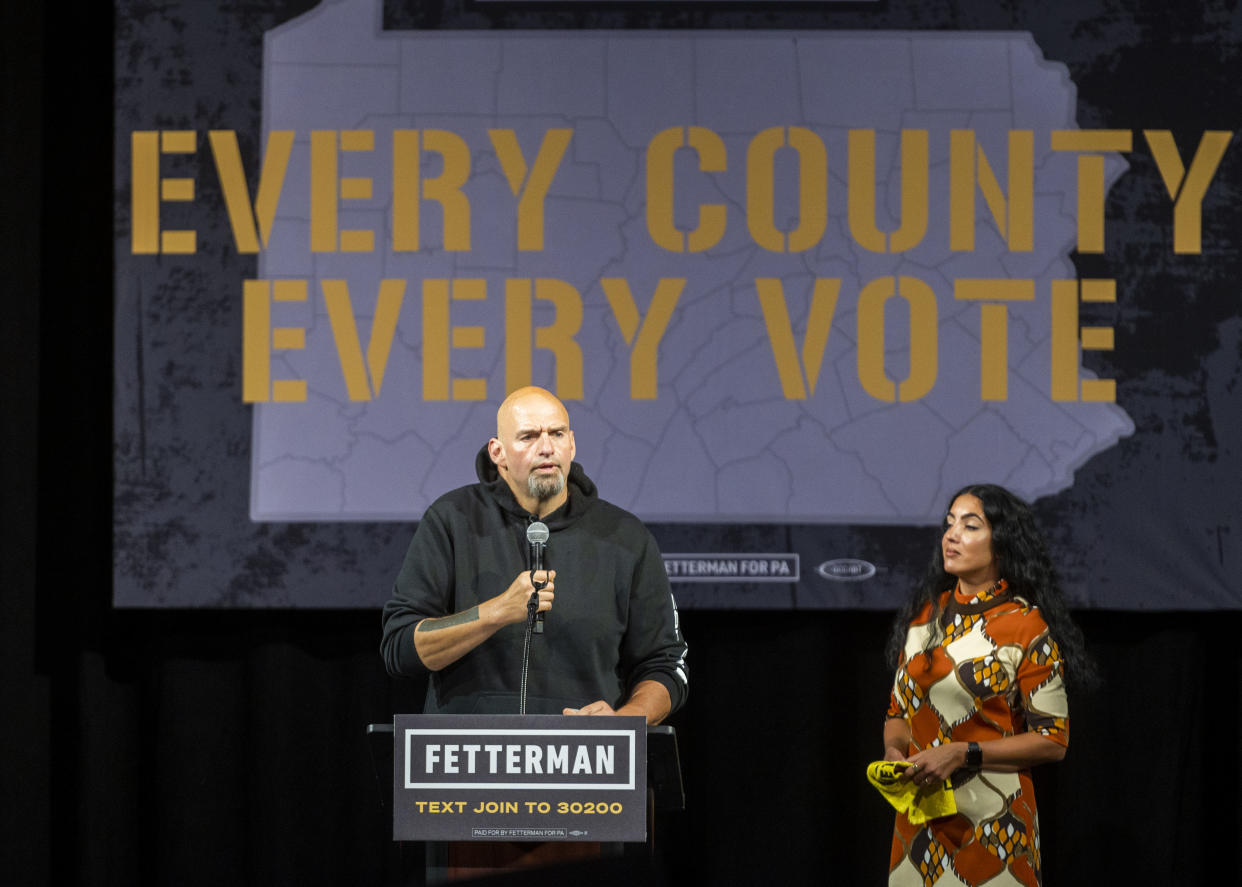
{"x": 974, "y": 756}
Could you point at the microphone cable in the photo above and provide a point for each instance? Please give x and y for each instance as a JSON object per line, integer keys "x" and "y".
{"x": 532, "y": 607}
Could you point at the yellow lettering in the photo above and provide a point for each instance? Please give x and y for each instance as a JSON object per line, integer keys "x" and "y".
{"x": 144, "y": 192}
{"x": 242, "y": 214}
{"x": 405, "y": 185}
{"x": 1187, "y": 189}
{"x": 812, "y": 189}
{"x": 439, "y": 337}
{"x": 968, "y": 168}
{"x": 661, "y": 227}
{"x": 409, "y": 188}
{"x": 356, "y": 188}
{"x": 643, "y": 335}
{"x": 258, "y": 338}
{"x": 1091, "y": 144}
{"x": 1066, "y": 339}
{"x": 148, "y": 190}
{"x": 531, "y": 191}
{"x": 345, "y": 332}
{"x": 323, "y": 191}
{"x": 559, "y": 337}
{"x": 994, "y": 328}
{"x": 795, "y": 385}
{"x": 871, "y": 338}
{"x": 445, "y": 189}
{"x": 328, "y": 188}
{"x": 914, "y": 191}
{"x": 518, "y": 335}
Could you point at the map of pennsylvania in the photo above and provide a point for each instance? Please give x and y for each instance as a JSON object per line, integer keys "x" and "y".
{"x": 740, "y": 407}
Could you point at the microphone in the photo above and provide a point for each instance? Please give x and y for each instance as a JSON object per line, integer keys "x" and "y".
{"x": 537, "y": 537}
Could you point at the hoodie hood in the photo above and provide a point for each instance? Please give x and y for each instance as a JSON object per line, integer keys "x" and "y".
{"x": 582, "y": 492}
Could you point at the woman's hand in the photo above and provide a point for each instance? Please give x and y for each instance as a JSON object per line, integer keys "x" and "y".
{"x": 932, "y": 766}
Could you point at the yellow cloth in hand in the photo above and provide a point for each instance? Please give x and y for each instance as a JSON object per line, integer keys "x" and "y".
{"x": 919, "y": 803}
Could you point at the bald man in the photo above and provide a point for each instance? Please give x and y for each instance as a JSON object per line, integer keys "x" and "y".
{"x": 459, "y": 605}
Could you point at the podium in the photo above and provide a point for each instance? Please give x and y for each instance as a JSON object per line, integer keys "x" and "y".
{"x": 506, "y": 793}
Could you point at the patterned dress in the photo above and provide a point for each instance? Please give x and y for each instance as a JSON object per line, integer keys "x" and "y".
{"x": 995, "y": 672}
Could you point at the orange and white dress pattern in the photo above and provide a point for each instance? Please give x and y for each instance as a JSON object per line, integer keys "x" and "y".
{"x": 995, "y": 672}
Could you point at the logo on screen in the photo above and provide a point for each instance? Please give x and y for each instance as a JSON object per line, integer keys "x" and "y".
{"x": 846, "y": 569}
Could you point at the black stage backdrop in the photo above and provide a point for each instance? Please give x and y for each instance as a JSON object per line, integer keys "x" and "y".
{"x": 186, "y": 747}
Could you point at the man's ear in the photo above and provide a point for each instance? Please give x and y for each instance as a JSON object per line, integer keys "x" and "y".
{"x": 496, "y": 453}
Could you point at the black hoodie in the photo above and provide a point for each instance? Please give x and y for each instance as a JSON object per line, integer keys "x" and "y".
{"x": 612, "y": 625}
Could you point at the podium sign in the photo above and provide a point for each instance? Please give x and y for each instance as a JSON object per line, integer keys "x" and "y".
{"x": 519, "y": 778}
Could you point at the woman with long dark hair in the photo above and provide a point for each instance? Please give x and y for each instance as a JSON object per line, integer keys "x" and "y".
{"x": 983, "y": 650}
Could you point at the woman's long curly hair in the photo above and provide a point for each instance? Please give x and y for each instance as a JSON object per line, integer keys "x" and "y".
{"x": 1024, "y": 563}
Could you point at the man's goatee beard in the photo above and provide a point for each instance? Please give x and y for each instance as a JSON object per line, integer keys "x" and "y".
{"x": 543, "y": 487}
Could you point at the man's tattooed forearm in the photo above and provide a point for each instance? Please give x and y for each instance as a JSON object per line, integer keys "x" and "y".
{"x": 471, "y": 615}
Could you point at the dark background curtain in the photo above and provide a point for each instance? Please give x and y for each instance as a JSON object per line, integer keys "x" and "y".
{"x": 183, "y": 748}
